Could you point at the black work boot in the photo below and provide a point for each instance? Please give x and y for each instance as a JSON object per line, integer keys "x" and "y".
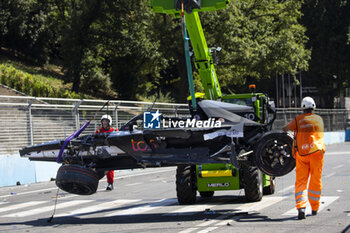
{"x": 301, "y": 213}
{"x": 109, "y": 187}
{"x": 314, "y": 212}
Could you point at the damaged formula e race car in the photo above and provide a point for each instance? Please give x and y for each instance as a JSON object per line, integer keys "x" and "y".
{"x": 214, "y": 134}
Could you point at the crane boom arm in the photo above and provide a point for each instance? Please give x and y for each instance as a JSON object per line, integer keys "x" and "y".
{"x": 203, "y": 58}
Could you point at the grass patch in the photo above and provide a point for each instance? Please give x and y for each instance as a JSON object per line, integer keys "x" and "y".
{"x": 45, "y": 81}
{"x": 38, "y": 85}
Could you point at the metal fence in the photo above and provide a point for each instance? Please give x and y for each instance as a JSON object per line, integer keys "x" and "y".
{"x": 28, "y": 120}
{"x": 334, "y": 119}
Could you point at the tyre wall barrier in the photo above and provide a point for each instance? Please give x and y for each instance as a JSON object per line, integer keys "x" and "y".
{"x": 15, "y": 169}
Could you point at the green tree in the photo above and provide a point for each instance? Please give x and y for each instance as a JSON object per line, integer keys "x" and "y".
{"x": 259, "y": 38}
{"x": 25, "y": 29}
{"x": 121, "y": 46}
{"x": 129, "y": 47}
{"x": 328, "y": 24}
{"x": 167, "y": 30}
{"x": 113, "y": 38}
{"x": 77, "y": 18}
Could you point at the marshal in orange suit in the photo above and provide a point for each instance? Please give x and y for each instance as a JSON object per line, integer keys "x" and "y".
{"x": 309, "y": 149}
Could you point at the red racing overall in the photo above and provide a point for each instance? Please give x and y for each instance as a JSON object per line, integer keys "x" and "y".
{"x": 110, "y": 173}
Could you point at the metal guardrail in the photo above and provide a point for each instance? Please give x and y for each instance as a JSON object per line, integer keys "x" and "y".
{"x": 29, "y": 120}
{"x": 334, "y": 119}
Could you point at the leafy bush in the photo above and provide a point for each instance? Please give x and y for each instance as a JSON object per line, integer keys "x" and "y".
{"x": 33, "y": 85}
{"x": 96, "y": 83}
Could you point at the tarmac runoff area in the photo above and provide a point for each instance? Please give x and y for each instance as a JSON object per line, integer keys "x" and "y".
{"x": 144, "y": 200}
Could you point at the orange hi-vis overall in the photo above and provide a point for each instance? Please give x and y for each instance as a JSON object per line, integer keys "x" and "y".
{"x": 309, "y": 149}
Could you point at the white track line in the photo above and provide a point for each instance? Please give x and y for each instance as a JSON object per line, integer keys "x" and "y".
{"x": 133, "y": 184}
{"x": 326, "y": 200}
{"x": 160, "y": 170}
{"x": 96, "y": 208}
{"x": 21, "y": 206}
{"x": 145, "y": 173}
{"x": 338, "y": 153}
{"x": 209, "y": 229}
{"x": 157, "y": 179}
{"x": 189, "y": 210}
{"x": 339, "y": 166}
{"x": 256, "y": 206}
{"x": 213, "y": 221}
{"x": 329, "y": 175}
{"x": 143, "y": 208}
{"x": 47, "y": 208}
{"x": 29, "y": 192}
{"x": 286, "y": 189}
{"x": 188, "y": 230}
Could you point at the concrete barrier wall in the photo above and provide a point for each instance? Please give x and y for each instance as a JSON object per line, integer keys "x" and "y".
{"x": 334, "y": 137}
{"x": 13, "y": 168}
{"x": 44, "y": 171}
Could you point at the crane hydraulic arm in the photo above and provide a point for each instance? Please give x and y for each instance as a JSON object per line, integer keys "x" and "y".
{"x": 203, "y": 58}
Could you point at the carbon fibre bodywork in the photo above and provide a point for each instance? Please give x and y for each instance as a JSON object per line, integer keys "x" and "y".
{"x": 130, "y": 148}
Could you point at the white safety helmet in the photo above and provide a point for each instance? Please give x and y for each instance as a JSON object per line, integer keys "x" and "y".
{"x": 308, "y": 103}
{"x": 108, "y": 117}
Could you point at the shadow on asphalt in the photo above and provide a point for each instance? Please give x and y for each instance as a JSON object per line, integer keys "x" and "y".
{"x": 203, "y": 215}
{"x": 346, "y": 229}
{"x": 146, "y": 218}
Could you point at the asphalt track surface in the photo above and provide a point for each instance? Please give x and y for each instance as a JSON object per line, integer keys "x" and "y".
{"x": 144, "y": 200}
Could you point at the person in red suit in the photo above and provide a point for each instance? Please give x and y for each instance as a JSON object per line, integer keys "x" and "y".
{"x": 106, "y": 121}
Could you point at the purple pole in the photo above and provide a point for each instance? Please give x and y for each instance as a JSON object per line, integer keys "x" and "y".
{"x": 75, "y": 134}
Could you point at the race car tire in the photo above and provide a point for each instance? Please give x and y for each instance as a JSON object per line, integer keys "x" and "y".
{"x": 186, "y": 190}
{"x": 253, "y": 186}
{"x": 101, "y": 174}
{"x": 77, "y": 179}
{"x": 206, "y": 193}
{"x": 273, "y": 154}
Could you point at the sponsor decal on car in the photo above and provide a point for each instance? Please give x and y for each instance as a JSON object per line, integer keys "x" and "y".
{"x": 142, "y": 145}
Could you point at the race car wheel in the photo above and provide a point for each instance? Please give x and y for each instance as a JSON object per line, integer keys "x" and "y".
{"x": 77, "y": 179}
{"x": 253, "y": 186}
{"x": 273, "y": 154}
{"x": 186, "y": 184}
{"x": 206, "y": 193}
{"x": 101, "y": 174}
